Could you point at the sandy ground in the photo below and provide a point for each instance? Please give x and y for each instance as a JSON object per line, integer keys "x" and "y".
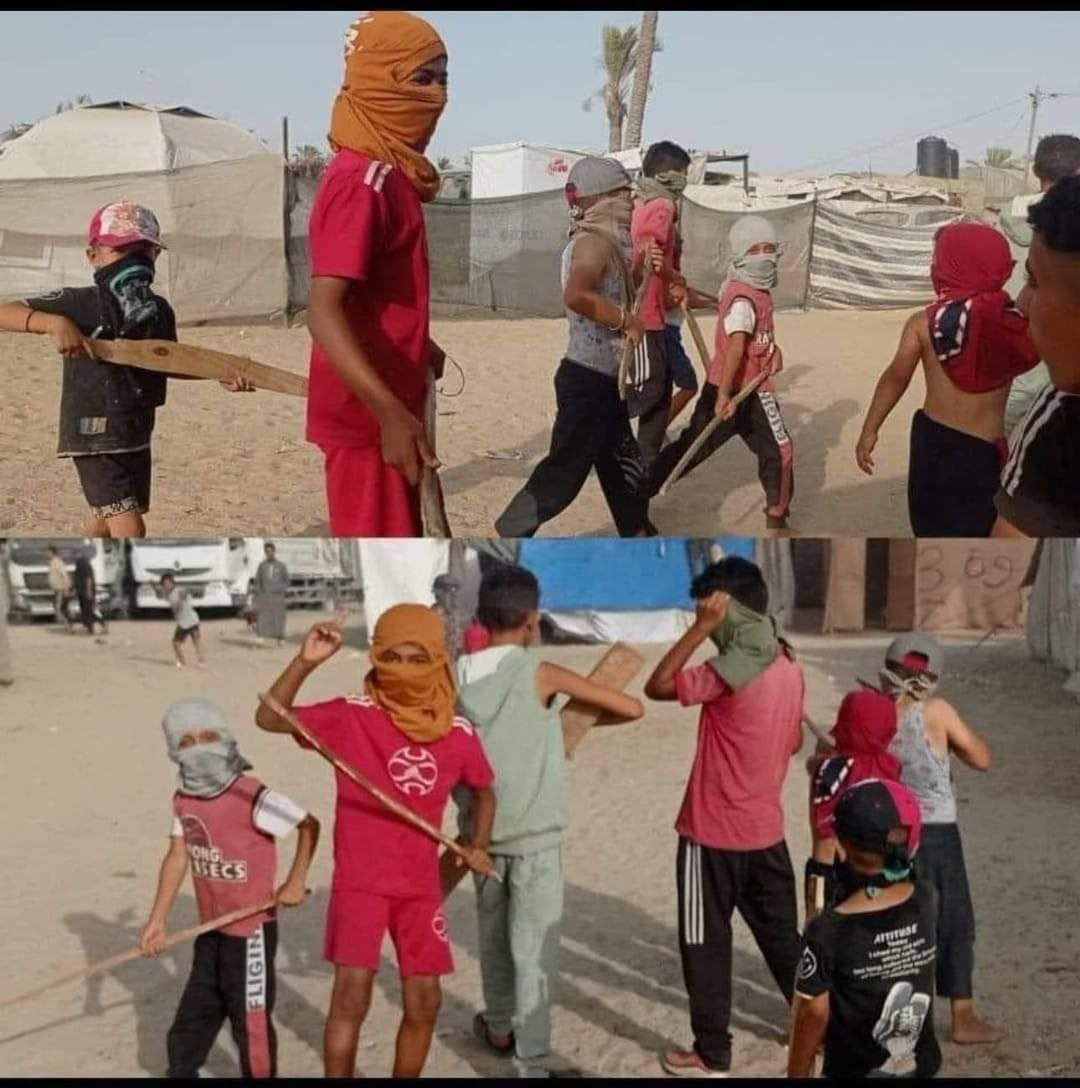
{"x": 87, "y": 787}
{"x": 231, "y": 464}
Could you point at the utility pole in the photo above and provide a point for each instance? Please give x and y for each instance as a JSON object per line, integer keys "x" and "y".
{"x": 1036, "y": 97}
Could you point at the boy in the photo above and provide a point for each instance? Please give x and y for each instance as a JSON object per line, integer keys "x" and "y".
{"x": 225, "y": 821}
{"x": 1039, "y": 494}
{"x": 865, "y": 982}
{"x": 1056, "y": 157}
{"x": 511, "y": 696}
{"x": 657, "y": 244}
{"x": 403, "y": 735}
{"x": 368, "y": 306}
{"x": 732, "y": 852}
{"x": 60, "y": 584}
{"x": 972, "y": 342}
{"x": 745, "y": 347}
{"x": 928, "y": 732}
{"x": 187, "y": 620}
{"x": 592, "y": 425}
{"x": 107, "y": 411}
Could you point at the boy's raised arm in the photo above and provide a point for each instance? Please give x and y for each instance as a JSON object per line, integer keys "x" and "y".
{"x": 552, "y": 679}
{"x": 710, "y": 613}
{"x": 320, "y": 644}
{"x": 890, "y": 388}
{"x": 293, "y": 891}
{"x": 171, "y": 876}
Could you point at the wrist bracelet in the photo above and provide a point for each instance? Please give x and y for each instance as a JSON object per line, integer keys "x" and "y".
{"x": 29, "y": 315}
{"x": 622, "y": 322}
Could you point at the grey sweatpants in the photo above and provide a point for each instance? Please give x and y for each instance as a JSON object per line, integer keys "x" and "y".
{"x": 519, "y": 949}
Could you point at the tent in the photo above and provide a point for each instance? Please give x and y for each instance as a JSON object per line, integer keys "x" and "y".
{"x": 1053, "y": 628}
{"x": 216, "y": 189}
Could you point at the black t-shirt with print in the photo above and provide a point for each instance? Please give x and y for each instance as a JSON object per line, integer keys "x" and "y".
{"x": 878, "y": 970}
{"x": 1040, "y": 484}
{"x": 104, "y": 408}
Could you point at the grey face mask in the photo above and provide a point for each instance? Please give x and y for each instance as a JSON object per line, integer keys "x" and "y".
{"x": 209, "y": 769}
{"x": 761, "y": 270}
{"x": 673, "y": 181}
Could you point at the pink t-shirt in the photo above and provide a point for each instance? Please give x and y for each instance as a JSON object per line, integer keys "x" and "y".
{"x": 656, "y": 221}
{"x": 745, "y": 742}
{"x": 374, "y": 850}
{"x": 367, "y": 225}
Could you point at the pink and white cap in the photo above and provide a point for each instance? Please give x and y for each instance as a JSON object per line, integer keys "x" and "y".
{"x": 123, "y": 224}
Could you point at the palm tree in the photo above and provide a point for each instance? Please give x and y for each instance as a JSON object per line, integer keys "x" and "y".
{"x": 1002, "y": 158}
{"x": 617, "y": 61}
{"x": 82, "y": 100}
{"x": 308, "y": 161}
{"x": 444, "y": 164}
{"x": 642, "y": 68}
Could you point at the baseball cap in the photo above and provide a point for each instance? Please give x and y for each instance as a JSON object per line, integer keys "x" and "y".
{"x": 594, "y": 176}
{"x": 907, "y": 650}
{"x": 869, "y": 810}
{"x": 123, "y": 224}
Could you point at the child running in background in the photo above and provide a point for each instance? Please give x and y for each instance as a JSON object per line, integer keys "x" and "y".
{"x": 866, "y": 978}
{"x": 224, "y": 825}
{"x": 745, "y": 348}
{"x": 512, "y": 695}
{"x": 403, "y": 735}
{"x": 928, "y": 733}
{"x": 372, "y": 356}
{"x": 972, "y": 343}
{"x": 187, "y": 620}
{"x": 865, "y": 727}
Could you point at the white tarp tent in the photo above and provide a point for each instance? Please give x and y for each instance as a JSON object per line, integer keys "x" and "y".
{"x": 1053, "y": 626}
{"x": 216, "y": 190}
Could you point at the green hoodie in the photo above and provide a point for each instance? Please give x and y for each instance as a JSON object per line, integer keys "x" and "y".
{"x": 748, "y": 645}
{"x": 524, "y": 743}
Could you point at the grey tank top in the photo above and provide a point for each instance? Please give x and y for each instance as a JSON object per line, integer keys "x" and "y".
{"x": 923, "y": 771}
{"x": 592, "y": 345}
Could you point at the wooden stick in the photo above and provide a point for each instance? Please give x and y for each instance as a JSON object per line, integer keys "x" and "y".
{"x": 711, "y": 426}
{"x": 168, "y": 357}
{"x": 384, "y": 799}
{"x": 698, "y": 338}
{"x": 619, "y": 665}
{"x": 134, "y": 953}
{"x": 434, "y": 521}
{"x": 628, "y": 345}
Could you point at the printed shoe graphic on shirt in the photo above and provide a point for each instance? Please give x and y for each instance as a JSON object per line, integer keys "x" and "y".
{"x": 899, "y": 1027}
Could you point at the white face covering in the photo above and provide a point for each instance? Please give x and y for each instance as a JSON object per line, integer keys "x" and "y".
{"x": 762, "y": 270}
{"x": 205, "y": 769}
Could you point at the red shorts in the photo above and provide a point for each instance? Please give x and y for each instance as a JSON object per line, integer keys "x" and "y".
{"x": 366, "y": 497}
{"x": 357, "y": 922}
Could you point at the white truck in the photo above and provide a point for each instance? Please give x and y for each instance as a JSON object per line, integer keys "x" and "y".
{"x": 27, "y": 572}
{"x": 317, "y": 575}
{"x": 204, "y": 567}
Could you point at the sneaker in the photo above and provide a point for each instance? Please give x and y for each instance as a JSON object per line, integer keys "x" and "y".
{"x": 689, "y": 1063}
{"x": 483, "y": 1033}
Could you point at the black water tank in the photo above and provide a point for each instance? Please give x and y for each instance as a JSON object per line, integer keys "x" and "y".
{"x": 932, "y": 157}
{"x": 954, "y": 163}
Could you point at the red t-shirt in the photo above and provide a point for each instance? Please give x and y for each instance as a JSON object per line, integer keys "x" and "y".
{"x": 374, "y": 850}
{"x": 656, "y": 221}
{"x": 477, "y": 637}
{"x": 744, "y": 745}
{"x": 367, "y": 225}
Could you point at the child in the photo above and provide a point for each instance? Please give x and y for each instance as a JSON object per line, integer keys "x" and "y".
{"x": 732, "y": 852}
{"x": 402, "y": 734}
{"x": 865, "y": 981}
{"x": 1039, "y": 494}
{"x": 865, "y": 726}
{"x": 511, "y": 695}
{"x": 592, "y": 426}
{"x": 368, "y": 307}
{"x": 972, "y": 342}
{"x": 656, "y": 243}
{"x": 225, "y": 821}
{"x": 107, "y": 411}
{"x": 187, "y": 620}
{"x": 745, "y": 347}
{"x": 928, "y": 733}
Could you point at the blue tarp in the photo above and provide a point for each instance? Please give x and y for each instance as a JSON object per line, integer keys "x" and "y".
{"x": 606, "y": 574}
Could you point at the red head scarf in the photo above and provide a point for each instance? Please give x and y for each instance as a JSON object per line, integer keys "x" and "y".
{"x": 979, "y": 336}
{"x": 378, "y": 112}
{"x": 865, "y": 726}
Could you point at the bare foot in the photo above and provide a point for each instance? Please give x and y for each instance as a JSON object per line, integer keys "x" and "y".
{"x": 969, "y": 1029}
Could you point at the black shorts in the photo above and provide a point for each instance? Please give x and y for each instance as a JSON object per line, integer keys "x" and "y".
{"x": 182, "y": 634}
{"x": 115, "y": 483}
{"x": 682, "y": 369}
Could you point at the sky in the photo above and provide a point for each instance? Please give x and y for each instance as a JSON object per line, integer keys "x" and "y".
{"x": 799, "y": 91}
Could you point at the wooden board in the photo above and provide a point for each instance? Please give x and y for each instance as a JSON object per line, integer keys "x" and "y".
{"x": 436, "y": 525}
{"x": 187, "y": 360}
{"x": 619, "y": 665}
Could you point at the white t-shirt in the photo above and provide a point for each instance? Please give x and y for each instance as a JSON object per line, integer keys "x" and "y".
{"x": 274, "y": 814}
{"x": 740, "y": 318}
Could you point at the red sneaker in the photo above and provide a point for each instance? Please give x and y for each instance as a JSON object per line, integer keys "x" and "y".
{"x": 689, "y": 1063}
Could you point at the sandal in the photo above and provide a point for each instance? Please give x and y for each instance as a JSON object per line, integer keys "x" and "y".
{"x": 483, "y": 1033}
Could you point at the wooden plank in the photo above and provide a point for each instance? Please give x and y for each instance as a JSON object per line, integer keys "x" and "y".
{"x": 435, "y": 524}
{"x": 619, "y": 665}
{"x": 187, "y": 360}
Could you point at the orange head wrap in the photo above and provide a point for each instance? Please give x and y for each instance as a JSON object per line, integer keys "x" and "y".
{"x": 419, "y": 698}
{"x": 378, "y": 112}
